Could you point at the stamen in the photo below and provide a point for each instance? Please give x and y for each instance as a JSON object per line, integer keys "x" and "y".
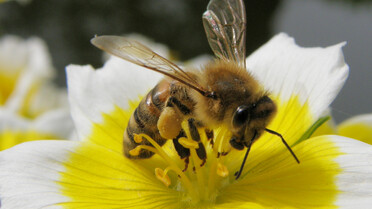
{"x": 136, "y": 151}
{"x": 199, "y": 174}
{"x": 188, "y": 143}
{"x": 221, "y": 144}
{"x": 222, "y": 170}
{"x": 162, "y": 176}
{"x": 173, "y": 165}
{"x": 201, "y": 181}
{"x": 217, "y": 168}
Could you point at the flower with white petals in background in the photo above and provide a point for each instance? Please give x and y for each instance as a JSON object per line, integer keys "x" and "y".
{"x": 334, "y": 171}
{"x": 357, "y": 127}
{"x": 31, "y": 106}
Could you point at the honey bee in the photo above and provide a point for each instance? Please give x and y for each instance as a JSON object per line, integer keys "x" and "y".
{"x": 223, "y": 93}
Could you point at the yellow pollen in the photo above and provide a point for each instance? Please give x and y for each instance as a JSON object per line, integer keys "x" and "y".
{"x": 201, "y": 180}
{"x": 136, "y": 151}
{"x": 188, "y": 143}
{"x": 222, "y": 170}
{"x": 157, "y": 149}
{"x": 162, "y": 176}
{"x": 137, "y": 138}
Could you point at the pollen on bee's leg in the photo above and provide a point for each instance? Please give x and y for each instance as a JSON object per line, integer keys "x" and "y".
{"x": 210, "y": 136}
{"x": 162, "y": 176}
{"x": 222, "y": 170}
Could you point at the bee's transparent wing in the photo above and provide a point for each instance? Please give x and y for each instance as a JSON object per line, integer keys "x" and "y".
{"x": 225, "y": 22}
{"x": 139, "y": 54}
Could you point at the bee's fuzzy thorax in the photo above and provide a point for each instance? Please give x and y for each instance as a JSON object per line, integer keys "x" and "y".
{"x": 233, "y": 86}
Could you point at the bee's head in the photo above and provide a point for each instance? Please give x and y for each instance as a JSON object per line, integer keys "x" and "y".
{"x": 250, "y": 120}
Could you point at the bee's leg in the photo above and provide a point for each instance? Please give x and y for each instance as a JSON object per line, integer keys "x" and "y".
{"x": 183, "y": 152}
{"x": 210, "y": 136}
{"x": 202, "y": 154}
{"x": 170, "y": 119}
{"x": 174, "y": 102}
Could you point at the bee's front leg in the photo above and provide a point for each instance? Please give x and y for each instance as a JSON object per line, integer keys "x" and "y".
{"x": 202, "y": 154}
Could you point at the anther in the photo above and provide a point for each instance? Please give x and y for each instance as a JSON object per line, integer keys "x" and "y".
{"x": 135, "y": 151}
{"x": 137, "y": 138}
{"x": 162, "y": 176}
{"x": 187, "y": 143}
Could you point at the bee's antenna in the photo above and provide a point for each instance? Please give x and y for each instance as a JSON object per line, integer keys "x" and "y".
{"x": 284, "y": 142}
{"x": 238, "y": 173}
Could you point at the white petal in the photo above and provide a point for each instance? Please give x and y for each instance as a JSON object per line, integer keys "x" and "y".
{"x": 9, "y": 120}
{"x": 314, "y": 74}
{"x": 77, "y": 175}
{"x": 355, "y": 181}
{"x": 9, "y": 46}
{"x": 57, "y": 123}
{"x": 364, "y": 119}
{"x": 29, "y": 173}
{"x": 48, "y": 97}
{"x": 93, "y": 92}
{"x": 334, "y": 170}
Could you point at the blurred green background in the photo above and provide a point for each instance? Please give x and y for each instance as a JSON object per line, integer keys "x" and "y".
{"x": 68, "y": 25}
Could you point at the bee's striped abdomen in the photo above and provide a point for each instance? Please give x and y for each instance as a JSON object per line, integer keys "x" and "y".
{"x": 144, "y": 120}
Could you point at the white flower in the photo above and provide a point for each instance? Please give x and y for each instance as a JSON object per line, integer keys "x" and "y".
{"x": 31, "y": 106}
{"x": 93, "y": 173}
{"x": 357, "y": 127}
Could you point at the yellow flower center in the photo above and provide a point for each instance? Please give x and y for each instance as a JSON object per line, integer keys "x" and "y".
{"x": 201, "y": 179}
{"x": 98, "y": 175}
{"x": 7, "y": 84}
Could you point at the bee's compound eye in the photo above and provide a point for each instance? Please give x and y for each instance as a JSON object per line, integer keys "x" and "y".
{"x": 241, "y": 116}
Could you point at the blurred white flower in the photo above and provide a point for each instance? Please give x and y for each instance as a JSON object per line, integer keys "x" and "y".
{"x": 27, "y": 95}
{"x": 357, "y": 127}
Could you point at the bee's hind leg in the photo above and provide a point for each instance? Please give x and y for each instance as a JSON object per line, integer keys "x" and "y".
{"x": 170, "y": 119}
